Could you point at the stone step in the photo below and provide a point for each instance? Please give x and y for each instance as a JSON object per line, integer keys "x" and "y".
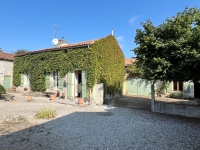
{"x": 11, "y": 90}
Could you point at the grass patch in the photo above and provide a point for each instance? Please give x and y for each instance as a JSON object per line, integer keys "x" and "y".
{"x": 45, "y": 113}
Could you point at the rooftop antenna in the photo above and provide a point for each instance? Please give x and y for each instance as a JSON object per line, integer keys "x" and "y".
{"x": 55, "y": 28}
{"x": 55, "y": 40}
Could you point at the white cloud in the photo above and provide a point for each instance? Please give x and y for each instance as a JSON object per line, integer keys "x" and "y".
{"x": 121, "y": 41}
{"x": 132, "y": 20}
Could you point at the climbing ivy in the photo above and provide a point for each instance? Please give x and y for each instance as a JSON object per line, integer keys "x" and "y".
{"x": 103, "y": 62}
{"x": 110, "y": 64}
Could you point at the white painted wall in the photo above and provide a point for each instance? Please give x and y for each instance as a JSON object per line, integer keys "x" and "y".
{"x": 97, "y": 94}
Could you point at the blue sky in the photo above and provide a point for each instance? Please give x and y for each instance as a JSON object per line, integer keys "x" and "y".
{"x": 28, "y": 24}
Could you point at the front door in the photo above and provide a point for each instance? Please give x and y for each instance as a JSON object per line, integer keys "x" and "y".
{"x": 6, "y": 82}
{"x": 77, "y": 81}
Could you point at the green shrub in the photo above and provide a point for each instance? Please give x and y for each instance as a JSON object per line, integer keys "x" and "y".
{"x": 176, "y": 95}
{"x": 2, "y": 90}
{"x": 45, "y": 113}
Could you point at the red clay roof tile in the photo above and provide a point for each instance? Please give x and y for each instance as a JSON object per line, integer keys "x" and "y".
{"x": 129, "y": 61}
{"x": 73, "y": 45}
{"x": 6, "y": 56}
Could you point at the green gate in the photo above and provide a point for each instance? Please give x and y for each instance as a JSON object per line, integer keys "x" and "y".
{"x": 132, "y": 86}
{"x": 139, "y": 87}
{"x": 6, "y": 82}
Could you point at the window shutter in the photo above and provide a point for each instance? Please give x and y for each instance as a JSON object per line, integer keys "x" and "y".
{"x": 186, "y": 87}
{"x": 47, "y": 80}
{"x": 69, "y": 87}
{"x": 22, "y": 79}
{"x": 84, "y": 84}
{"x": 60, "y": 81}
{"x": 169, "y": 88}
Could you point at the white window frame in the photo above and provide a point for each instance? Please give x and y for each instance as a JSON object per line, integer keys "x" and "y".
{"x": 55, "y": 79}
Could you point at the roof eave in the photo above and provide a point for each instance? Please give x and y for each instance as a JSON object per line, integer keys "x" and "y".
{"x": 52, "y": 49}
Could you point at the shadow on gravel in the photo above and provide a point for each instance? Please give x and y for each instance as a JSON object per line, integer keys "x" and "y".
{"x": 103, "y": 130}
{"x": 67, "y": 132}
{"x": 134, "y": 102}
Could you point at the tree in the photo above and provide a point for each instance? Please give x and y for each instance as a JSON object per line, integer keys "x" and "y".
{"x": 21, "y": 51}
{"x": 170, "y": 51}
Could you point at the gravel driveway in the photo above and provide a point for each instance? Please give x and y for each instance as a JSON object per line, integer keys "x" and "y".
{"x": 92, "y": 127}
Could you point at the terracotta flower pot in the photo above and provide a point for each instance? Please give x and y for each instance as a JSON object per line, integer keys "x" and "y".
{"x": 80, "y": 101}
{"x": 30, "y": 98}
{"x": 52, "y": 97}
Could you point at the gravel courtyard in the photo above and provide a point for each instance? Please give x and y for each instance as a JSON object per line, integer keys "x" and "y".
{"x": 93, "y": 127}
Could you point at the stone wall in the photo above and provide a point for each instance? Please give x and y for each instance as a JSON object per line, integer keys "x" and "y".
{"x": 97, "y": 94}
{"x": 177, "y": 109}
{"x": 7, "y": 67}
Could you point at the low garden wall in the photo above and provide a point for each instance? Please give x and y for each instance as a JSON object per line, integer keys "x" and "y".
{"x": 177, "y": 109}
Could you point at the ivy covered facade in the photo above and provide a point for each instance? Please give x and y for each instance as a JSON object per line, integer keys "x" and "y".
{"x": 63, "y": 68}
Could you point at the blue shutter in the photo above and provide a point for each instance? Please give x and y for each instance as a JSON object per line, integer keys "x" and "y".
{"x": 186, "y": 87}
{"x": 84, "y": 84}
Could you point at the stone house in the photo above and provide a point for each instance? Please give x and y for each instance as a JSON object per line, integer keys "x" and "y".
{"x": 80, "y": 63}
{"x": 6, "y": 69}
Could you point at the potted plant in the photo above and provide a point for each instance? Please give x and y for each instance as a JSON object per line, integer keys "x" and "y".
{"x": 52, "y": 97}
{"x": 2, "y": 90}
{"x": 30, "y": 97}
{"x": 80, "y": 99}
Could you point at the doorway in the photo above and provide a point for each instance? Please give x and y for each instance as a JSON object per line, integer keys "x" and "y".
{"x": 77, "y": 81}
{"x": 6, "y": 82}
{"x": 178, "y": 86}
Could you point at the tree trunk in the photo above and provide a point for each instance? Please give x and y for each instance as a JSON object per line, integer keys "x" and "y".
{"x": 152, "y": 97}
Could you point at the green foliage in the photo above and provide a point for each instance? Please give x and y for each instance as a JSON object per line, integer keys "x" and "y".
{"x": 134, "y": 69}
{"x": 109, "y": 64}
{"x": 170, "y": 51}
{"x": 176, "y": 95}
{"x": 103, "y": 62}
{"x": 21, "y": 51}
{"x": 45, "y": 113}
{"x": 163, "y": 88}
{"x": 2, "y": 90}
